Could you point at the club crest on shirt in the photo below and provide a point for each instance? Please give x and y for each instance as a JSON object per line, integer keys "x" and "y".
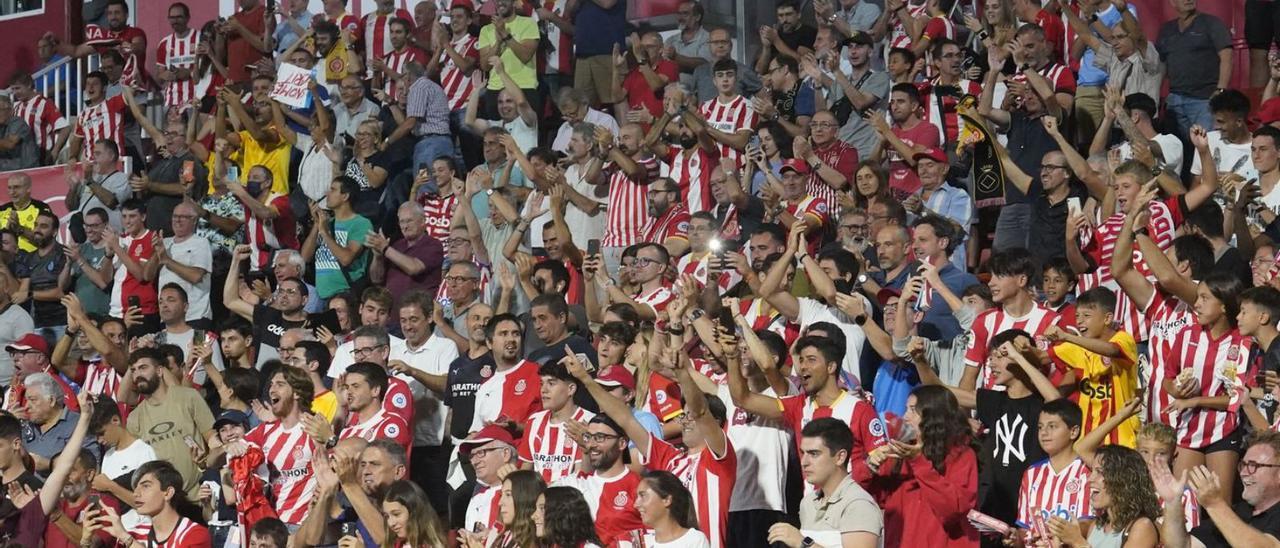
{"x": 486, "y": 371}
{"x": 620, "y": 500}
{"x": 1073, "y": 486}
{"x": 660, "y": 396}
{"x": 876, "y": 428}
{"x": 520, "y": 387}
{"x": 392, "y": 430}
{"x": 299, "y": 454}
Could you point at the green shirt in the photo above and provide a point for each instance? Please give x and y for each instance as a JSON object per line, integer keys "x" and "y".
{"x": 523, "y": 74}
{"x": 95, "y": 301}
{"x": 329, "y": 278}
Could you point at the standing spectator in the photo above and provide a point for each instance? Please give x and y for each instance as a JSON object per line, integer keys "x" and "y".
{"x": 730, "y": 118}
{"x": 337, "y": 246}
{"x": 49, "y": 423}
{"x": 294, "y": 23}
{"x": 241, "y": 36}
{"x": 704, "y": 82}
{"x": 100, "y": 118}
{"x": 91, "y": 268}
{"x": 789, "y": 38}
{"x": 838, "y": 512}
{"x": 859, "y": 90}
{"x": 260, "y": 141}
{"x": 427, "y": 117}
{"x": 689, "y": 48}
{"x": 908, "y": 135}
{"x": 389, "y": 68}
{"x": 159, "y": 485}
{"x": 378, "y": 36}
{"x": 270, "y": 226}
{"x": 189, "y": 421}
{"x": 512, "y": 394}
{"x": 49, "y": 126}
{"x": 644, "y": 82}
{"x": 513, "y": 39}
{"x": 135, "y": 247}
{"x": 1199, "y": 45}
{"x": 413, "y": 261}
{"x": 831, "y": 161}
{"x": 186, "y": 260}
{"x": 515, "y": 114}
{"x": 103, "y": 187}
{"x": 788, "y": 98}
{"x": 849, "y": 18}
{"x": 352, "y": 107}
{"x": 176, "y": 59}
{"x": 178, "y": 172}
{"x": 453, "y": 59}
{"x": 335, "y": 50}
{"x": 616, "y": 516}
{"x": 575, "y": 108}
{"x": 43, "y": 277}
{"x": 942, "y": 94}
{"x": 123, "y": 451}
{"x": 18, "y": 146}
{"x": 600, "y": 29}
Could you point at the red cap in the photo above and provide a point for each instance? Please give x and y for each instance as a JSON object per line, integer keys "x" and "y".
{"x": 795, "y": 164}
{"x": 29, "y": 342}
{"x": 1270, "y": 111}
{"x": 463, "y": 4}
{"x": 885, "y": 294}
{"x": 933, "y": 153}
{"x": 490, "y": 433}
{"x": 615, "y": 376}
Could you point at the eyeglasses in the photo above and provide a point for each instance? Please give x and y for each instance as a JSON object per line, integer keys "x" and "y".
{"x": 458, "y": 279}
{"x": 853, "y": 227}
{"x": 598, "y": 438}
{"x": 286, "y": 350}
{"x": 457, "y": 241}
{"x": 719, "y": 42}
{"x": 1044, "y": 167}
{"x": 294, "y": 292}
{"x": 480, "y": 453}
{"x": 641, "y": 262}
{"x": 93, "y": 225}
{"x": 1251, "y": 467}
{"x": 362, "y": 352}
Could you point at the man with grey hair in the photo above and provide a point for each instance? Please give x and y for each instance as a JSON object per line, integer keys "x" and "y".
{"x": 48, "y": 423}
{"x": 372, "y": 343}
{"x": 584, "y": 202}
{"x": 18, "y": 149}
{"x": 574, "y": 106}
{"x": 488, "y": 450}
{"x": 186, "y": 260}
{"x": 413, "y": 261}
{"x": 288, "y": 263}
{"x": 689, "y": 48}
{"x": 721, "y": 44}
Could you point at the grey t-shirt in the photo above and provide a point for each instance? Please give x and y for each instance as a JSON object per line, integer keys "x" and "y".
{"x": 26, "y": 154}
{"x": 856, "y": 131}
{"x": 1194, "y": 52}
{"x": 14, "y": 323}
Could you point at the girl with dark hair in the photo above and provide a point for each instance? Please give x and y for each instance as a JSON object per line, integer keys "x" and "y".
{"x": 562, "y": 519}
{"x": 666, "y": 507}
{"x": 520, "y": 492}
{"x": 158, "y": 495}
{"x": 410, "y": 520}
{"x": 926, "y": 480}
{"x": 1124, "y": 503}
{"x": 1202, "y": 364}
{"x": 766, "y": 157}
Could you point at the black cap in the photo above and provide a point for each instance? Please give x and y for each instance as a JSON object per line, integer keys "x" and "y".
{"x": 231, "y": 416}
{"x": 859, "y": 37}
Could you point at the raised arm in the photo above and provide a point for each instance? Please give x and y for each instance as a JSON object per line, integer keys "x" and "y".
{"x": 231, "y": 287}
{"x": 615, "y": 408}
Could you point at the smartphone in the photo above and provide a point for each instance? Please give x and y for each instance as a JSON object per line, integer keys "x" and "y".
{"x": 908, "y": 433}
{"x": 717, "y": 247}
{"x": 197, "y": 339}
{"x": 134, "y": 302}
{"x": 725, "y": 316}
{"x": 233, "y": 173}
{"x": 1073, "y": 206}
{"x": 94, "y": 499}
{"x": 349, "y": 529}
{"x": 593, "y": 247}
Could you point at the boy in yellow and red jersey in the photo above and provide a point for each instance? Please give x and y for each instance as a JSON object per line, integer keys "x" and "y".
{"x": 1101, "y": 362}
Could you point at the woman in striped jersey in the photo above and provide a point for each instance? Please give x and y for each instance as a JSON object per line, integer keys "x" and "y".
{"x": 1124, "y": 501}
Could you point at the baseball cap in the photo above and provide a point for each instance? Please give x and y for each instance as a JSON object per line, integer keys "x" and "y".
{"x": 933, "y": 153}
{"x": 463, "y": 4}
{"x": 29, "y": 342}
{"x": 859, "y": 37}
{"x": 1270, "y": 111}
{"x": 485, "y": 435}
{"x": 885, "y": 294}
{"x": 795, "y": 164}
{"x": 231, "y": 416}
{"x": 615, "y": 376}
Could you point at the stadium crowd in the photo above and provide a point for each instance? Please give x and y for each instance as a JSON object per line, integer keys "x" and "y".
{"x": 913, "y": 273}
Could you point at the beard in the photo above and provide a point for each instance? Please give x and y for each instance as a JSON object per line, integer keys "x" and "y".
{"x": 73, "y": 491}
{"x": 146, "y": 386}
{"x": 688, "y": 141}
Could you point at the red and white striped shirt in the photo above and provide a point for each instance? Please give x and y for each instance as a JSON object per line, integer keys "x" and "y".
{"x": 381, "y": 425}
{"x": 995, "y": 321}
{"x": 868, "y": 430}
{"x": 175, "y": 52}
{"x": 1060, "y": 76}
{"x": 672, "y": 224}
{"x": 438, "y": 211}
{"x": 612, "y": 501}
{"x": 941, "y": 111}
{"x": 482, "y": 510}
{"x": 187, "y": 534}
{"x": 101, "y": 379}
{"x": 1049, "y": 492}
{"x": 708, "y": 477}
{"x": 663, "y": 399}
{"x": 1166, "y": 316}
{"x": 104, "y": 120}
{"x": 288, "y": 452}
{"x": 375, "y": 32}
{"x": 1216, "y": 364}
{"x": 753, "y": 310}
{"x": 698, "y": 267}
{"x": 814, "y": 211}
{"x": 44, "y": 118}
{"x": 1100, "y": 244}
{"x": 457, "y": 84}
{"x": 899, "y": 38}
{"x": 731, "y": 117}
{"x": 657, "y": 299}
{"x": 396, "y": 62}
{"x": 839, "y": 156}
{"x": 559, "y": 57}
{"x": 549, "y": 447}
{"x": 267, "y": 236}
{"x": 628, "y": 206}
{"x": 691, "y": 169}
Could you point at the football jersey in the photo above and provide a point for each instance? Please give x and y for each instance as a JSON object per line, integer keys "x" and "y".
{"x": 628, "y": 207}
{"x": 867, "y": 428}
{"x": 482, "y": 509}
{"x": 457, "y": 84}
{"x": 730, "y": 117}
{"x": 762, "y": 446}
{"x": 375, "y": 33}
{"x": 288, "y": 452}
{"x": 708, "y": 478}
{"x": 1166, "y": 316}
{"x": 101, "y": 379}
{"x": 438, "y": 213}
{"x": 514, "y": 394}
{"x": 691, "y": 169}
{"x": 179, "y": 52}
{"x": 548, "y": 446}
{"x": 104, "y": 120}
{"x": 1104, "y": 384}
{"x": 1217, "y": 365}
{"x": 381, "y": 425}
{"x": 995, "y": 321}
{"x": 187, "y": 534}
{"x": 664, "y": 398}
{"x": 44, "y": 118}
{"x": 699, "y": 268}
{"x": 612, "y": 502}
{"x": 657, "y": 299}
{"x": 1053, "y": 493}
{"x": 672, "y": 224}
{"x": 814, "y": 211}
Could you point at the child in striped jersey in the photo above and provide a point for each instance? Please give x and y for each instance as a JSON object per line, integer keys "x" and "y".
{"x": 1058, "y": 486}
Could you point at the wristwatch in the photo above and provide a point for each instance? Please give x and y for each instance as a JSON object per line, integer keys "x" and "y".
{"x": 862, "y": 279}
{"x": 807, "y": 542}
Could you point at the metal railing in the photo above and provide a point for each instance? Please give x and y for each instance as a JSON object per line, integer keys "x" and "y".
{"x": 64, "y": 78}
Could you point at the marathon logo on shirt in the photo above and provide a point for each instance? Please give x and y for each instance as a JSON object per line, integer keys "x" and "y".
{"x": 292, "y": 474}
{"x": 463, "y": 390}
{"x": 553, "y": 460}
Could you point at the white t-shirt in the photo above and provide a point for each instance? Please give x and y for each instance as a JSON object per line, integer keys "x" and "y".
{"x": 429, "y": 413}
{"x": 692, "y": 538}
{"x": 762, "y": 446}
{"x": 598, "y": 118}
{"x": 534, "y": 234}
{"x": 1170, "y": 150}
{"x": 196, "y": 252}
{"x": 812, "y": 311}
{"x": 584, "y": 227}
{"x": 1230, "y": 157}
{"x": 344, "y": 356}
{"x": 117, "y": 463}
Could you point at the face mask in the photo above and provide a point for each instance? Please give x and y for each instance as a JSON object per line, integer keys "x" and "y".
{"x": 253, "y": 187}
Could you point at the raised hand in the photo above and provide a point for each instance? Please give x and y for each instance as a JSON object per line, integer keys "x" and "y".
{"x": 1199, "y": 137}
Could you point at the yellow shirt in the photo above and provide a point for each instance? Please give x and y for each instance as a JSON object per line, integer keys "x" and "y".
{"x": 26, "y": 219}
{"x": 523, "y": 74}
{"x": 1104, "y": 385}
{"x": 276, "y": 158}
{"x": 325, "y": 405}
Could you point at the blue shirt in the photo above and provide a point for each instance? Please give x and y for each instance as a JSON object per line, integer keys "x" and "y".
{"x": 1090, "y": 75}
{"x": 939, "y": 323}
{"x": 955, "y": 204}
{"x": 892, "y": 386}
{"x": 608, "y": 27}
{"x": 284, "y": 35}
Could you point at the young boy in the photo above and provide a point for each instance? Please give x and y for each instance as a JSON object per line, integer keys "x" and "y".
{"x": 1259, "y": 311}
{"x": 1101, "y": 362}
{"x": 1012, "y": 416}
{"x": 1058, "y": 485}
{"x": 1059, "y": 282}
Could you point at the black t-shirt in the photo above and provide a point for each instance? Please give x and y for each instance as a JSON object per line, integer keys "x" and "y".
{"x": 578, "y": 315}
{"x": 554, "y": 353}
{"x": 1028, "y": 143}
{"x": 42, "y": 271}
{"x": 803, "y": 36}
{"x": 465, "y": 377}
{"x": 1011, "y": 445}
{"x": 169, "y": 170}
{"x": 1049, "y": 223}
{"x": 745, "y": 220}
{"x": 9, "y": 512}
{"x": 269, "y": 324}
{"x": 1270, "y": 361}
{"x": 1267, "y": 522}
{"x": 1234, "y": 263}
